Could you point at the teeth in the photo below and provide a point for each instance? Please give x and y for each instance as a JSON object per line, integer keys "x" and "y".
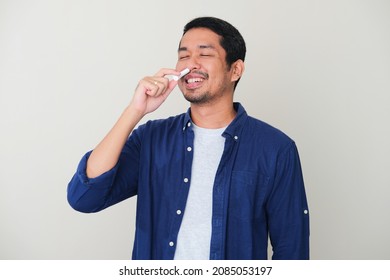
{"x": 194, "y": 80}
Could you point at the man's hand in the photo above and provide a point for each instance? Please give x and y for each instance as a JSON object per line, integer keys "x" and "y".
{"x": 152, "y": 91}
{"x": 149, "y": 95}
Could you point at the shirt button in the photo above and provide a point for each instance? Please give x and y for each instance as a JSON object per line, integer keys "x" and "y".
{"x": 188, "y": 124}
{"x": 178, "y": 212}
{"x": 305, "y": 212}
{"x": 189, "y": 149}
{"x": 171, "y": 244}
{"x": 236, "y": 137}
{"x": 185, "y": 180}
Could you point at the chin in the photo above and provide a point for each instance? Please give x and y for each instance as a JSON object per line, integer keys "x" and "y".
{"x": 204, "y": 99}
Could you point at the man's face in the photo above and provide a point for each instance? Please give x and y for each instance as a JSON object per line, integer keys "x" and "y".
{"x": 209, "y": 78}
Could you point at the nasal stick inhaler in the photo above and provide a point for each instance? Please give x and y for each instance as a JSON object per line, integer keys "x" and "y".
{"x": 182, "y": 74}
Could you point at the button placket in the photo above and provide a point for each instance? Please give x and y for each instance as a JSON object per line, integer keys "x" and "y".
{"x": 187, "y": 149}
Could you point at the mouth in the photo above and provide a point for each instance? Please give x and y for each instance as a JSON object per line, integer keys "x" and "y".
{"x": 193, "y": 81}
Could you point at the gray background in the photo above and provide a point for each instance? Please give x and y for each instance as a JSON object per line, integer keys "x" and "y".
{"x": 318, "y": 70}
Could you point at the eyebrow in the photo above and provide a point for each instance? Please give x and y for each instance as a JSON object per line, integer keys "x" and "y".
{"x": 182, "y": 49}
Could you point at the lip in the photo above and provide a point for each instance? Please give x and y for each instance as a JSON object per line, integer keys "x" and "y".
{"x": 193, "y": 81}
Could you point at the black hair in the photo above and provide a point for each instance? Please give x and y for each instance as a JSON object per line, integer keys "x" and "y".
{"x": 231, "y": 40}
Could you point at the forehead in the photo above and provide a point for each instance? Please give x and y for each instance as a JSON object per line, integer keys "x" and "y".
{"x": 197, "y": 37}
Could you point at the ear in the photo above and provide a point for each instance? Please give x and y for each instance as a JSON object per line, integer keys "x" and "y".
{"x": 238, "y": 68}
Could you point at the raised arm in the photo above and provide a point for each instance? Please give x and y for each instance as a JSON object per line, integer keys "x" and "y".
{"x": 150, "y": 93}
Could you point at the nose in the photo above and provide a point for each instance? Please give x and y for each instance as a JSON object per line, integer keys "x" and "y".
{"x": 193, "y": 63}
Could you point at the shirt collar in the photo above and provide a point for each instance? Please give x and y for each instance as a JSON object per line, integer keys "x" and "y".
{"x": 233, "y": 129}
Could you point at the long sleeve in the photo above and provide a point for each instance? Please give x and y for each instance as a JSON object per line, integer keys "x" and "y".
{"x": 121, "y": 182}
{"x": 287, "y": 209}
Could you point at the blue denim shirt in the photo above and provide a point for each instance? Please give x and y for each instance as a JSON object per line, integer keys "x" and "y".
{"x": 258, "y": 189}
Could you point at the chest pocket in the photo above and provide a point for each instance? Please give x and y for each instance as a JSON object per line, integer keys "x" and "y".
{"x": 247, "y": 194}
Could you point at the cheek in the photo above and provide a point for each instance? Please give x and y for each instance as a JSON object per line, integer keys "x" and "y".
{"x": 180, "y": 85}
{"x": 179, "y": 65}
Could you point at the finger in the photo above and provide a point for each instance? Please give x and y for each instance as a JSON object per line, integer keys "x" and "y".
{"x": 167, "y": 71}
{"x": 156, "y": 86}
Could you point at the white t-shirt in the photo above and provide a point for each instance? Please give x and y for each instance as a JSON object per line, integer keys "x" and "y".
{"x": 194, "y": 237}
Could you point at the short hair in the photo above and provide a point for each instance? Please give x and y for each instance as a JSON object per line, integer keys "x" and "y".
{"x": 231, "y": 39}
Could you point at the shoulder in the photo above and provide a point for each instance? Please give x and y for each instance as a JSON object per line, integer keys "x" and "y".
{"x": 264, "y": 129}
{"x": 161, "y": 126}
{"x": 266, "y": 135}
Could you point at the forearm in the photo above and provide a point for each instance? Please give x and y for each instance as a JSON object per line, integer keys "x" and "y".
{"x": 149, "y": 95}
{"x": 106, "y": 154}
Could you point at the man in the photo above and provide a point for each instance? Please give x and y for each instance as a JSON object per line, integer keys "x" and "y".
{"x": 213, "y": 183}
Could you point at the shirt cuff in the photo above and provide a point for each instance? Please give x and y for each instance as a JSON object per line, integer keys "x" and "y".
{"x": 102, "y": 181}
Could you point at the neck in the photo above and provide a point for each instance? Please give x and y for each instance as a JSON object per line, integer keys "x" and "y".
{"x": 212, "y": 116}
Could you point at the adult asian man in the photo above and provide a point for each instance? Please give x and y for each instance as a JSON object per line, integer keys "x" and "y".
{"x": 212, "y": 183}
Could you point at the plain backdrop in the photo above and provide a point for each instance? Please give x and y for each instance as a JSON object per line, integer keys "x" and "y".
{"x": 317, "y": 70}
